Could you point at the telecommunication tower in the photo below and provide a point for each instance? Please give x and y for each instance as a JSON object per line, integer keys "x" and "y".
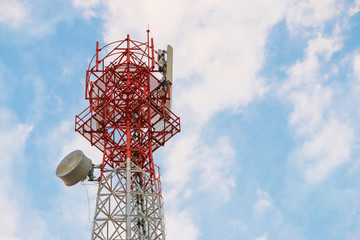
{"x": 128, "y": 85}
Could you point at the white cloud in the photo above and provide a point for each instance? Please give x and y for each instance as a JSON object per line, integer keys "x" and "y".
{"x": 304, "y": 74}
{"x": 13, "y": 12}
{"x": 263, "y": 202}
{"x": 138, "y": 15}
{"x": 179, "y": 226}
{"x": 356, "y": 66}
{"x": 178, "y": 172}
{"x": 88, "y": 7}
{"x": 13, "y": 137}
{"x": 263, "y": 237}
{"x": 267, "y": 221}
{"x": 190, "y": 160}
{"x": 309, "y": 108}
{"x": 192, "y": 168}
{"x": 216, "y": 168}
{"x": 355, "y": 9}
{"x": 328, "y": 138}
{"x": 310, "y": 13}
{"x": 71, "y": 214}
{"x": 34, "y": 19}
{"x": 326, "y": 150}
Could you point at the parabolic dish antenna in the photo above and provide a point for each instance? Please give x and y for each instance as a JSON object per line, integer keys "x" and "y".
{"x": 73, "y": 168}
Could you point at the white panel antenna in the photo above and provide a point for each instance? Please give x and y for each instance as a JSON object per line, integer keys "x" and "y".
{"x": 169, "y": 74}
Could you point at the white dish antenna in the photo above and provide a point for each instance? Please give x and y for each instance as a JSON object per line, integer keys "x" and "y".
{"x": 73, "y": 168}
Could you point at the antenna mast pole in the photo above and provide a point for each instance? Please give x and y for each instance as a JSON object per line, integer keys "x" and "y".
{"x": 128, "y": 119}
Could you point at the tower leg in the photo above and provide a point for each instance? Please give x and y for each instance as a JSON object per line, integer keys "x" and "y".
{"x": 128, "y": 199}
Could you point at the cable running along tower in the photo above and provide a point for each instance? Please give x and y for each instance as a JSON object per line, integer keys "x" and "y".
{"x": 128, "y": 85}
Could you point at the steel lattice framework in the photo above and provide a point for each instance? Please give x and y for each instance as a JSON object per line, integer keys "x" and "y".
{"x": 128, "y": 119}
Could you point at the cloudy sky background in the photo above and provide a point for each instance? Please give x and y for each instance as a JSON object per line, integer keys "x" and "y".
{"x": 268, "y": 93}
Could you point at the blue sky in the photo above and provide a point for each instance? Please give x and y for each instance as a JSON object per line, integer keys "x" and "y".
{"x": 268, "y": 95}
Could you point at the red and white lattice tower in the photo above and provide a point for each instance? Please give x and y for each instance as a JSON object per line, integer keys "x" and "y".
{"x": 128, "y": 85}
